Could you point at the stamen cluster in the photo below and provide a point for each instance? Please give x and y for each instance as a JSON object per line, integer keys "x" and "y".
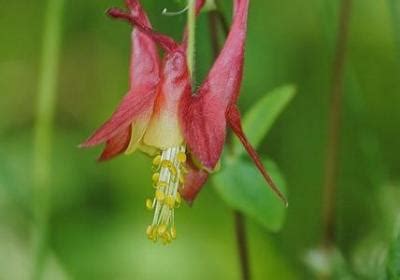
{"x": 167, "y": 178}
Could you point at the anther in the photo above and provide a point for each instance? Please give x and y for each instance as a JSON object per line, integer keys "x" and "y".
{"x": 173, "y": 232}
{"x": 155, "y": 177}
{"x": 161, "y": 230}
{"x": 157, "y": 160}
{"x": 170, "y": 201}
{"x": 178, "y": 199}
{"x": 160, "y": 196}
{"x": 161, "y": 184}
{"x": 182, "y": 157}
{"x": 149, "y": 204}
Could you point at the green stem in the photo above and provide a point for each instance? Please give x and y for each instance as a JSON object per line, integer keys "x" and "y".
{"x": 334, "y": 127}
{"x": 191, "y": 21}
{"x": 241, "y": 240}
{"x": 46, "y": 91}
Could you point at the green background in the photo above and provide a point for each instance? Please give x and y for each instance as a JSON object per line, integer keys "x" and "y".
{"x": 98, "y": 218}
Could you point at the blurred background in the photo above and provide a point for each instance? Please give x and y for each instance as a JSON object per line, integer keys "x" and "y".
{"x": 97, "y": 219}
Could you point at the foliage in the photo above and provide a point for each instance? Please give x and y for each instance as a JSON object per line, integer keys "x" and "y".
{"x": 239, "y": 183}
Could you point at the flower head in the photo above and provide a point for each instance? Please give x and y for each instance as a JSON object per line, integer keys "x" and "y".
{"x": 184, "y": 130}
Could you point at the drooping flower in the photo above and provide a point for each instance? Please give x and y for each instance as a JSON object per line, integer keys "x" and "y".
{"x": 184, "y": 130}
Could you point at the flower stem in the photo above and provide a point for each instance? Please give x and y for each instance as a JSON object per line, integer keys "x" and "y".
{"x": 334, "y": 122}
{"x": 191, "y": 22}
{"x": 46, "y": 91}
{"x": 241, "y": 239}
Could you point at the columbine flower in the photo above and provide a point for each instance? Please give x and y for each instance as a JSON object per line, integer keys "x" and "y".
{"x": 160, "y": 115}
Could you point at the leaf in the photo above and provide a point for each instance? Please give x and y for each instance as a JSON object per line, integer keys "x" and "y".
{"x": 260, "y": 118}
{"x": 393, "y": 261}
{"x": 243, "y": 188}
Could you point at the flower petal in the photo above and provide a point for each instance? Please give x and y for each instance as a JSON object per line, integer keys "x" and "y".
{"x": 116, "y": 145}
{"x": 203, "y": 114}
{"x": 164, "y": 130}
{"x": 233, "y": 117}
{"x": 139, "y": 127}
{"x": 144, "y": 78}
{"x": 167, "y": 43}
{"x": 204, "y": 125}
{"x": 194, "y": 181}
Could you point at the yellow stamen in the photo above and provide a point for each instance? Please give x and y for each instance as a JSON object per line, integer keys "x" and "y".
{"x": 157, "y": 160}
{"x": 173, "y": 233}
{"x": 149, "y": 204}
{"x": 160, "y": 196}
{"x": 182, "y": 157}
{"x": 167, "y": 179}
{"x": 155, "y": 177}
{"x": 170, "y": 201}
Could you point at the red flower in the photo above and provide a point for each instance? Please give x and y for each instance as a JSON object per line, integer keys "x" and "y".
{"x": 162, "y": 116}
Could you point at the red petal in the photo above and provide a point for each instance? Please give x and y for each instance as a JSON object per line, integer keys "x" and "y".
{"x": 194, "y": 181}
{"x": 204, "y": 127}
{"x": 167, "y": 43}
{"x": 199, "y": 5}
{"x": 233, "y": 117}
{"x": 116, "y": 145}
{"x": 164, "y": 129}
{"x": 224, "y": 79}
{"x": 144, "y": 77}
{"x": 203, "y": 114}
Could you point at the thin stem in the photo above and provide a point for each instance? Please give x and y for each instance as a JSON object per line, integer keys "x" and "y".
{"x": 222, "y": 19}
{"x": 191, "y": 22}
{"x": 215, "y": 17}
{"x": 241, "y": 239}
{"x": 213, "y": 23}
{"x": 48, "y": 75}
{"x": 335, "y": 111}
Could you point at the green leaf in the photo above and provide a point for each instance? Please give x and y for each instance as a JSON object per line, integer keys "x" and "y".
{"x": 393, "y": 261}
{"x": 243, "y": 188}
{"x": 260, "y": 118}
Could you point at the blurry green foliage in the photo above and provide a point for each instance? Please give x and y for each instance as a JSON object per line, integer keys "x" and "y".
{"x": 239, "y": 182}
{"x": 243, "y": 188}
{"x": 259, "y": 119}
{"x": 393, "y": 260}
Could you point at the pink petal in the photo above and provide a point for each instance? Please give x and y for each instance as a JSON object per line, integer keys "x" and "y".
{"x": 164, "y": 129}
{"x": 144, "y": 77}
{"x": 233, "y": 117}
{"x": 194, "y": 181}
{"x": 167, "y": 43}
{"x": 204, "y": 128}
{"x": 116, "y": 145}
{"x": 203, "y": 114}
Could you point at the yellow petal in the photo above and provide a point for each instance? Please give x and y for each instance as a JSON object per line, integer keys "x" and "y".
{"x": 163, "y": 131}
{"x": 138, "y": 130}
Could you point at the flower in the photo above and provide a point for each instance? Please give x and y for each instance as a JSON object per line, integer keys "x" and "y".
{"x": 184, "y": 130}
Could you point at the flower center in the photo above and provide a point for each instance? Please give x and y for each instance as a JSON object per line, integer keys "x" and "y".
{"x": 168, "y": 176}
